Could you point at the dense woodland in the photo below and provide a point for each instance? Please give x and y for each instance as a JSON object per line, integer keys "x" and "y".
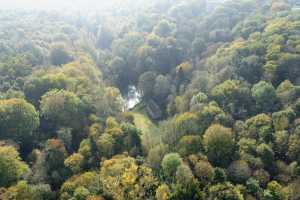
{"x": 218, "y": 116}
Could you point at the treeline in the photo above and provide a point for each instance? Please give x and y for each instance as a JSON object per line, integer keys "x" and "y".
{"x": 220, "y": 81}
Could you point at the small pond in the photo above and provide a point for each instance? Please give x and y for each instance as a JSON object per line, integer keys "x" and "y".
{"x": 132, "y": 98}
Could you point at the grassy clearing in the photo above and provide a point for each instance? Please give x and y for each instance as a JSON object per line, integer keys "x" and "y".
{"x": 149, "y": 129}
{"x": 143, "y": 122}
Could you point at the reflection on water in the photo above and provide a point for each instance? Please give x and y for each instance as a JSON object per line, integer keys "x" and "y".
{"x": 133, "y": 97}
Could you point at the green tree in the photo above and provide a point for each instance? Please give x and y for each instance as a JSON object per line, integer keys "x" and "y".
{"x": 18, "y": 120}
{"x": 233, "y": 97}
{"x": 184, "y": 175}
{"x": 156, "y": 155}
{"x": 224, "y": 191}
{"x": 262, "y": 176}
{"x": 288, "y": 68}
{"x": 219, "y": 175}
{"x": 164, "y": 28}
{"x": 265, "y": 96}
{"x": 170, "y": 164}
{"x": 12, "y": 168}
{"x": 250, "y": 68}
{"x": 89, "y": 182}
{"x": 38, "y": 84}
{"x": 106, "y": 145}
{"x": 74, "y": 162}
{"x": 132, "y": 140}
{"x": 198, "y": 101}
{"x": 55, "y": 155}
{"x": 187, "y": 192}
{"x": 219, "y": 145}
{"x": 63, "y": 108}
{"x": 198, "y": 46}
{"x": 81, "y": 193}
{"x": 287, "y": 93}
{"x": 204, "y": 171}
{"x": 266, "y": 153}
{"x": 146, "y": 84}
{"x": 293, "y": 147}
{"x": 260, "y": 127}
{"x": 239, "y": 171}
{"x": 189, "y": 144}
{"x": 281, "y": 140}
{"x": 274, "y": 191}
{"x": 105, "y": 37}
{"x": 162, "y": 88}
{"x": 282, "y": 119}
{"x": 186, "y": 124}
{"x": 253, "y": 186}
{"x": 24, "y": 190}
{"x": 121, "y": 74}
{"x": 210, "y": 114}
{"x": 59, "y": 55}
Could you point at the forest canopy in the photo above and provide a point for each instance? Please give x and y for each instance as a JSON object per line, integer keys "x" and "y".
{"x": 154, "y": 100}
